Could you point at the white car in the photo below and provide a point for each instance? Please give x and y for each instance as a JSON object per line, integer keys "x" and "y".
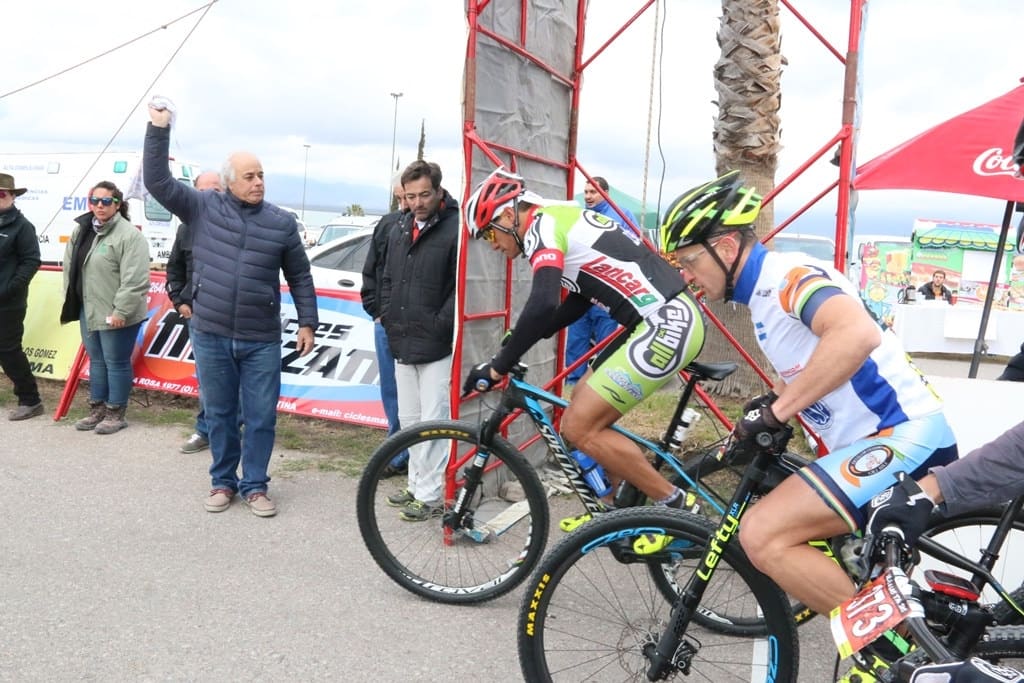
{"x": 345, "y": 226}
{"x": 338, "y": 265}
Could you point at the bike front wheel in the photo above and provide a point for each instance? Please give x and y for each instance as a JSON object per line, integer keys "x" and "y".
{"x": 484, "y": 553}
{"x": 593, "y": 610}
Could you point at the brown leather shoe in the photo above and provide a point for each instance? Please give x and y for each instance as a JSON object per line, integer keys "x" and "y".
{"x": 219, "y": 500}
{"x": 260, "y": 505}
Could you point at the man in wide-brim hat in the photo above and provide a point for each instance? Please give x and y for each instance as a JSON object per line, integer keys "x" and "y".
{"x": 7, "y": 185}
{"x": 19, "y": 261}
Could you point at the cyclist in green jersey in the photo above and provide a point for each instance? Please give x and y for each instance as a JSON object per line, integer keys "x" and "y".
{"x": 594, "y": 261}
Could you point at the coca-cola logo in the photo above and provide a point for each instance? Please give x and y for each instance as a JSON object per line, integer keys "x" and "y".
{"x": 993, "y": 162}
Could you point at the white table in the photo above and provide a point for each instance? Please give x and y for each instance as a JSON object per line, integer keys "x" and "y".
{"x": 937, "y": 327}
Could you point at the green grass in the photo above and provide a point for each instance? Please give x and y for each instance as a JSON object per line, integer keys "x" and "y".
{"x": 325, "y": 446}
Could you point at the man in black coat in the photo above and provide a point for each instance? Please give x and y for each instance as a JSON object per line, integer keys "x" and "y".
{"x": 179, "y": 291}
{"x": 19, "y": 261}
{"x": 417, "y": 304}
{"x": 373, "y": 279}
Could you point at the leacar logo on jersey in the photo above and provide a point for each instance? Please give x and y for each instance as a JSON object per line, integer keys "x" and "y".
{"x": 621, "y": 279}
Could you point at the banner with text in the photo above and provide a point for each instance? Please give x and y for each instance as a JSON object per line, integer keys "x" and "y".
{"x": 338, "y": 380}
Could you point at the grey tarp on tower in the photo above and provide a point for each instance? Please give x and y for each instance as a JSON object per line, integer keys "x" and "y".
{"x": 521, "y": 106}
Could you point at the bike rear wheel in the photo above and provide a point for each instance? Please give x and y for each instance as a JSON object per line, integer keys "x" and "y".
{"x": 489, "y": 552}
{"x": 589, "y": 614}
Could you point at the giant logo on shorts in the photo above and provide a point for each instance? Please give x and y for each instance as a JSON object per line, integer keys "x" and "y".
{"x": 871, "y": 460}
{"x": 658, "y": 351}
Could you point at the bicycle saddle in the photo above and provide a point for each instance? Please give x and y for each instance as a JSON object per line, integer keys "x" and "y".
{"x": 715, "y": 371}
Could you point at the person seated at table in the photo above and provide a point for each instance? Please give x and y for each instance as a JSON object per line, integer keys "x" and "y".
{"x": 936, "y": 289}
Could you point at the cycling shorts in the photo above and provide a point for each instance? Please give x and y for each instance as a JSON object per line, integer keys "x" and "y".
{"x": 654, "y": 351}
{"x": 848, "y": 478}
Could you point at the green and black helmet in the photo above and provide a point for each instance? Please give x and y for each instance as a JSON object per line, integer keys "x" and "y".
{"x": 708, "y": 210}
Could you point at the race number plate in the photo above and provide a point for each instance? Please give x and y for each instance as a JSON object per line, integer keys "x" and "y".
{"x": 881, "y": 605}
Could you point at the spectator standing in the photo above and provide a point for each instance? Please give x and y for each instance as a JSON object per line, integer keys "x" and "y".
{"x": 596, "y": 324}
{"x": 179, "y": 290}
{"x": 241, "y": 244}
{"x": 417, "y": 304}
{"x": 106, "y": 279}
{"x": 373, "y": 277}
{"x": 936, "y": 289}
{"x": 19, "y": 261}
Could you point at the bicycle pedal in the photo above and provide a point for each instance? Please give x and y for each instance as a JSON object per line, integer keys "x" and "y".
{"x": 481, "y": 536}
{"x": 570, "y": 524}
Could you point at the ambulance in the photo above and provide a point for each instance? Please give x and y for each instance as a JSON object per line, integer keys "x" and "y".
{"x": 58, "y": 185}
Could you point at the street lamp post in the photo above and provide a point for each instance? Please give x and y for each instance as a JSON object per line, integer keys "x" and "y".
{"x": 305, "y": 172}
{"x": 394, "y": 135}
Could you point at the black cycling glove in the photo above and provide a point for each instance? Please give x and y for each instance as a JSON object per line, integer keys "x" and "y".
{"x": 478, "y": 379}
{"x": 760, "y": 401}
{"x": 760, "y": 420}
{"x": 904, "y": 506}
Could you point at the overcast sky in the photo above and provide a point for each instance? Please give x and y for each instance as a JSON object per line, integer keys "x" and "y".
{"x": 273, "y": 76}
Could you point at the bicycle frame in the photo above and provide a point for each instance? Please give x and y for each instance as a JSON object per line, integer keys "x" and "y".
{"x": 667, "y": 653}
{"x": 531, "y": 399}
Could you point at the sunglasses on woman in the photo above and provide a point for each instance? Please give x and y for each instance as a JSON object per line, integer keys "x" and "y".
{"x": 105, "y": 201}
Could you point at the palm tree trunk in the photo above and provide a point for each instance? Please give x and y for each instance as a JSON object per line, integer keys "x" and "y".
{"x": 746, "y": 137}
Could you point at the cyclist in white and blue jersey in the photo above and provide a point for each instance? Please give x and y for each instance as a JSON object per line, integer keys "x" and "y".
{"x": 849, "y": 379}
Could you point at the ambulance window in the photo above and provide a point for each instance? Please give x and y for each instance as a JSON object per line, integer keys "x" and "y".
{"x": 155, "y": 211}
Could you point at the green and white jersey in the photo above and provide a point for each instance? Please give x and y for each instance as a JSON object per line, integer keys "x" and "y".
{"x": 602, "y": 262}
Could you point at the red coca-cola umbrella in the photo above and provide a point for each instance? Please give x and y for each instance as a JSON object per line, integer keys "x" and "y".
{"x": 975, "y": 153}
{"x": 969, "y": 154}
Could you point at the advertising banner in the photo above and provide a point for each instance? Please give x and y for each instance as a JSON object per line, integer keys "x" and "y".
{"x": 338, "y": 380}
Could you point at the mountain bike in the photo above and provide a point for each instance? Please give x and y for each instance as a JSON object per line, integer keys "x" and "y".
{"x": 594, "y": 610}
{"x": 943, "y": 612}
{"x": 494, "y": 523}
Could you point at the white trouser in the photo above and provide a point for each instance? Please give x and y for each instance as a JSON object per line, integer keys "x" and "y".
{"x": 424, "y": 394}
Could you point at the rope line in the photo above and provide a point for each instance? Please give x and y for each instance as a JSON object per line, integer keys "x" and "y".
{"x": 110, "y": 51}
{"x": 205, "y": 9}
{"x": 650, "y": 116}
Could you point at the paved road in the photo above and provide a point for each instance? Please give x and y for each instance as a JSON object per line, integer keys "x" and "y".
{"x": 111, "y": 570}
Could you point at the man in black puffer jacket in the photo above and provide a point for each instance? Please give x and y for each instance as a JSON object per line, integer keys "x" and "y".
{"x": 19, "y": 261}
{"x": 373, "y": 279}
{"x": 417, "y": 304}
{"x": 240, "y": 246}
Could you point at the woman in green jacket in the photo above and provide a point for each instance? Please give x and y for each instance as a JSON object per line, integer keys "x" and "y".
{"x": 106, "y": 281}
